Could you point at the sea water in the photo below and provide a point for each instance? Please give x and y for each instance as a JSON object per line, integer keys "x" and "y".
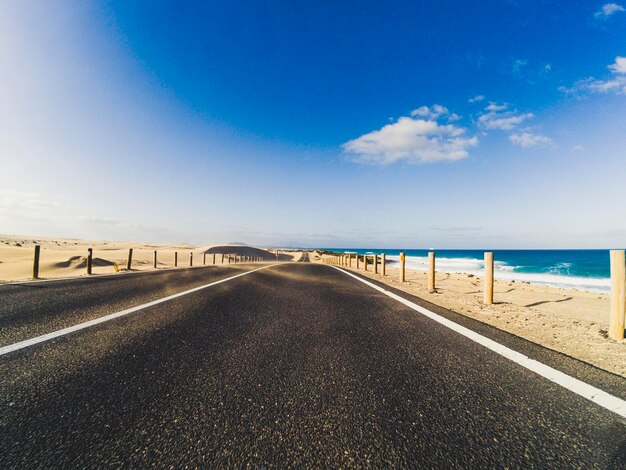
{"x": 577, "y": 269}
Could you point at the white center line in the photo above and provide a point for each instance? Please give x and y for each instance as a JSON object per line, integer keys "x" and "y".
{"x": 599, "y": 397}
{"x": 81, "y": 326}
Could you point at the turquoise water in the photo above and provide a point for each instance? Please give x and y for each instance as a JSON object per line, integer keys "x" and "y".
{"x": 578, "y": 269}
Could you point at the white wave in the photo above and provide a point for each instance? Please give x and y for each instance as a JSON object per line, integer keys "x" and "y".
{"x": 553, "y": 278}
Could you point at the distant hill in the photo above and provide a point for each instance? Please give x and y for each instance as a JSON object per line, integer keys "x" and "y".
{"x": 246, "y": 250}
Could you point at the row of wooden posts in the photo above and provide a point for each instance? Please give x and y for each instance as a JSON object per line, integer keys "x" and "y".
{"x": 230, "y": 258}
{"x": 617, "y": 316}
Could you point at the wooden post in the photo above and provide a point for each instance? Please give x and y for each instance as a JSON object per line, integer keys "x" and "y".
{"x": 375, "y": 264}
{"x": 383, "y": 264}
{"x": 364, "y": 262}
{"x": 89, "y": 260}
{"x": 154, "y": 260}
{"x": 129, "y": 261}
{"x": 204, "y": 259}
{"x": 402, "y": 274}
{"x": 214, "y": 259}
{"x": 36, "y": 262}
{"x": 618, "y": 295}
{"x": 191, "y": 258}
{"x": 431, "y": 271}
{"x": 222, "y": 258}
{"x": 176, "y": 259}
{"x": 357, "y": 261}
{"x": 488, "y": 297}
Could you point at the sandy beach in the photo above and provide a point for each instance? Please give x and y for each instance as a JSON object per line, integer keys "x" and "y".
{"x": 67, "y": 257}
{"x": 566, "y": 320}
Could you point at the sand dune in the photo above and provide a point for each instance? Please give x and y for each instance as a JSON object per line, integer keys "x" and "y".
{"x": 68, "y": 257}
{"x": 245, "y": 250}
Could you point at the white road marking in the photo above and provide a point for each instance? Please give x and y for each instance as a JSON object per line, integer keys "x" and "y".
{"x": 599, "y": 397}
{"x": 112, "y": 316}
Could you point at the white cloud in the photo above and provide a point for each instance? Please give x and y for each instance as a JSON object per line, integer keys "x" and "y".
{"x": 496, "y": 107}
{"x": 433, "y": 113}
{"x": 419, "y": 138}
{"x": 578, "y": 148}
{"x": 607, "y": 10}
{"x": 502, "y": 118}
{"x": 23, "y": 202}
{"x": 527, "y": 139}
{"x": 499, "y": 116}
{"x": 518, "y": 65}
{"x": 619, "y": 66}
{"x": 476, "y": 99}
{"x": 616, "y": 83}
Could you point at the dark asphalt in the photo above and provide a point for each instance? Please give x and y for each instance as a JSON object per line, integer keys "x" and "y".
{"x": 32, "y": 309}
{"x": 295, "y": 365}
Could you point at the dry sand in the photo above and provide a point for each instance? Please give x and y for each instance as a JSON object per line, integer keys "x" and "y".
{"x": 566, "y": 320}
{"x": 67, "y": 258}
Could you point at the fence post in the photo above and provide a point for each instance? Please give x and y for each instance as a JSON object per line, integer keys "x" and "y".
{"x": 89, "y": 260}
{"x": 191, "y": 258}
{"x": 204, "y": 259}
{"x": 375, "y": 264}
{"x": 618, "y": 295}
{"x": 488, "y": 297}
{"x": 154, "y": 260}
{"x": 431, "y": 271}
{"x": 222, "y": 258}
{"x": 364, "y": 262}
{"x": 213, "y": 258}
{"x": 402, "y": 275}
{"x": 176, "y": 259}
{"x": 129, "y": 262}
{"x": 36, "y": 262}
{"x": 383, "y": 264}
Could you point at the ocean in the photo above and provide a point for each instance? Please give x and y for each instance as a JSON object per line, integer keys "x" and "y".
{"x": 577, "y": 269}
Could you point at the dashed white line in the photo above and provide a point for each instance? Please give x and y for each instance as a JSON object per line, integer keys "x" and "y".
{"x": 599, "y": 397}
{"x": 81, "y": 326}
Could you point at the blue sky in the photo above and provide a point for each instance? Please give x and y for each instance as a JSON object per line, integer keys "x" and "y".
{"x": 495, "y": 124}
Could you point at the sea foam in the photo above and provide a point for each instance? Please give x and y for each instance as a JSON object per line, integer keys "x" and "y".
{"x": 555, "y": 276}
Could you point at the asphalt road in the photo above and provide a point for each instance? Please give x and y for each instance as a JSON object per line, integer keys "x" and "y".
{"x": 294, "y": 365}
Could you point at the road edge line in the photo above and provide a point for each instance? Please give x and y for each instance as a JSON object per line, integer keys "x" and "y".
{"x": 96, "y": 321}
{"x": 583, "y": 389}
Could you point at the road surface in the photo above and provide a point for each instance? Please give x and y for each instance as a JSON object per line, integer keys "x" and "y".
{"x": 295, "y": 364}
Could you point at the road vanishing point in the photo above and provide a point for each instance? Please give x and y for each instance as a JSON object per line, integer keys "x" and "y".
{"x": 282, "y": 365}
